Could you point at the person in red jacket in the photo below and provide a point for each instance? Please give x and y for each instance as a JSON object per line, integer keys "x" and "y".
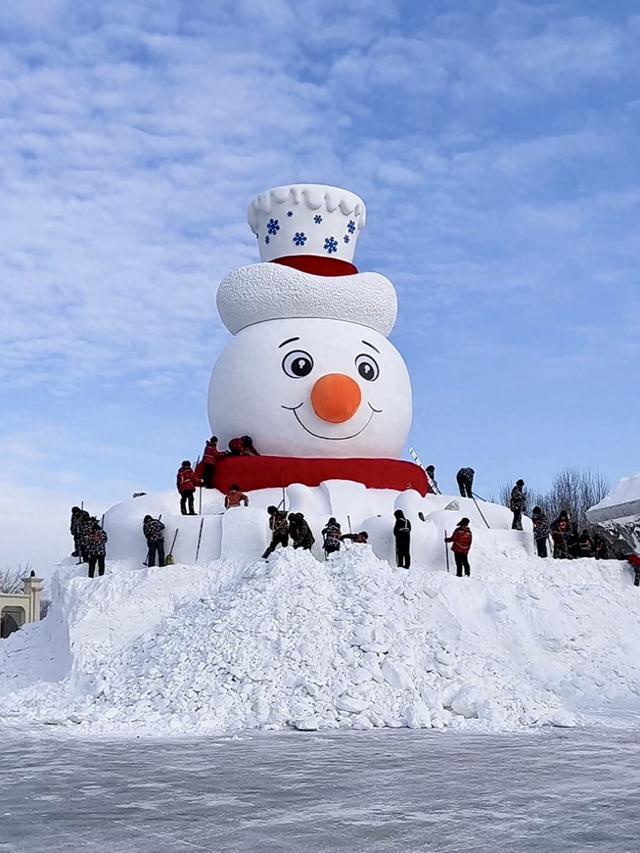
{"x": 209, "y": 459}
{"x": 235, "y": 497}
{"x": 462, "y": 538}
{"x": 187, "y": 483}
{"x": 242, "y": 446}
{"x": 634, "y": 562}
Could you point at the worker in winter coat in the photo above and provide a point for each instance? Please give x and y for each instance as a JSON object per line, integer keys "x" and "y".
{"x": 85, "y": 528}
{"x": 210, "y": 458}
{"x": 153, "y": 530}
{"x": 234, "y": 498}
{"x": 517, "y": 504}
{"x": 433, "y": 483}
{"x": 634, "y": 562}
{"x": 600, "y": 547}
{"x": 465, "y": 482}
{"x": 187, "y": 483}
{"x": 74, "y": 528}
{"x": 461, "y": 539}
{"x": 540, "y": 530}
{"x": 402, "y": 533}
{"x": 242, "y": 446}
{"x": 279, "y": 527}
{"x": 300, "y": 532}
{"x": 560, "y": 532}
{"x": 331, "y": 537}
{"x": 361, "y": 538}
{"x": 584, "y": 546}
{"x": 96, "y": 548}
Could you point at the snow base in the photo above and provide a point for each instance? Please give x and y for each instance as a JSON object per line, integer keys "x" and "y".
{"x": 346, "y": 643}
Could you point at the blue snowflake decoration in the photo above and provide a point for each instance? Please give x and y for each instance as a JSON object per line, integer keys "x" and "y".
{"x": 346, "y": 238}
{"x": 267, "y": 239}
{"x": 317, "y": 219}
{"x": 299, "y": 238}
{"x": 331, "y": 244}
{"x": 351, "y": 227}
{"x": 289, "y": 213}
{"x": 273, "y": 226}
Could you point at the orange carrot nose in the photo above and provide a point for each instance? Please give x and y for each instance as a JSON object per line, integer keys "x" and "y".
{"x": 335, "y": 398}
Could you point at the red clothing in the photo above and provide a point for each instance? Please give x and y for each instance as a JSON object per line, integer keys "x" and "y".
{"x": 212, "y": 454}
{"x": 462, "y": 538}
{"x": 235, "y": 499}
{"x": 186, "y": 480}
{"x": 634, "y": 560}
{"x": 236, "y": 446}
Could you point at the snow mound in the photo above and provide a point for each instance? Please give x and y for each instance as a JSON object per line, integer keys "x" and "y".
{"x": 351, "y": 642}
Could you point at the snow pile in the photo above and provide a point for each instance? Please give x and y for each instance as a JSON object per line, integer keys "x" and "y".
{"x": 351, "y": 642}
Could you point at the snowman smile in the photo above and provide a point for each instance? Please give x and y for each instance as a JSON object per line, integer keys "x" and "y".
{"x": 294, "y": 409}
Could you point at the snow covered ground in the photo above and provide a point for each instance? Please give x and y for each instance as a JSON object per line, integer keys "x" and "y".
{"x": 543, "y": 792}
{"x": 308, "y": 644}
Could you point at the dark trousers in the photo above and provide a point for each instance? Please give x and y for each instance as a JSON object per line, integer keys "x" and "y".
{"x": 462, "y": 564}
{"x": 156, "y": 548}
{"x": 636, "y": 580}
{"x": 541, "y": 545}
{"x": 207, "y": 475}
{"x": 77, "y": 545}
{"x": 403, "y": 554}
{"x": 187, "y": 497}
{"x": 560, "y": 548}
{"x": 331, "y": 548}
{"x": 516, "y": 524}
{"x": 276, "y": 539}
{"x": 465, "y": 487}
{"x": 93, "y": 559}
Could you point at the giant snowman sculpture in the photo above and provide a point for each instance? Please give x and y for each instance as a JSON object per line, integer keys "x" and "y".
{"x": 311, "y": 376}
{"x": 310, "y": 373}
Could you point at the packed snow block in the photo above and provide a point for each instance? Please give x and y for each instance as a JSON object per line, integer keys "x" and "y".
{"x": 245, "y": 533}
{"x": 263, "y": 472}
{"x": 123, "y": 523}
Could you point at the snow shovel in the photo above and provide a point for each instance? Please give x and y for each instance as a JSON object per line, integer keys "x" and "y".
{"x": 169, "y": 560}
{"x": 446, "y": 550}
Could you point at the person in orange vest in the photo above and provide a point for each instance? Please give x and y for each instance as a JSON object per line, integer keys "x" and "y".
{"x": 235, "y": 497}
{"x": 209, "y": 459}
{"x": 462, "y": 539}
{"x": 187, "y": 483}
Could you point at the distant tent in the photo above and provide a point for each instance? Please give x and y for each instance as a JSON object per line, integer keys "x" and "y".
{"x": 617, "y": 516}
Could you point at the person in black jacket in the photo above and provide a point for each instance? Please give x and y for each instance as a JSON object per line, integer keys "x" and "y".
{"x": 402, "y": 533}
{"x": 96, "y": 547}
{"x": 279, "y": 526}
{"x": 153, "y": 530}
{"x": 300, "y": 532}
{"x": 540, "y": 530}
{"x": 76, "y": 514}
{"x": 517, "y": 504}
{"x": 331, "y": 533}
{"x": 465, "y": 482}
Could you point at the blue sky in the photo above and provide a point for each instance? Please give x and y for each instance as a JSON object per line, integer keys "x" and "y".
{"x": 496, "y": 147}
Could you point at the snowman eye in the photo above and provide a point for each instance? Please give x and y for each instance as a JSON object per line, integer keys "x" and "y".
{"x": 367, "y": 367}
{"x": 297, "y": 364}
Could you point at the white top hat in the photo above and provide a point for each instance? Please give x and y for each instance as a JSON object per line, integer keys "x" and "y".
{"x": 307, "y": 219}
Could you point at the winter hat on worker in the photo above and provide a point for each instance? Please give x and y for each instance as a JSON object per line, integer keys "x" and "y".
{"x": 307, "y": 234}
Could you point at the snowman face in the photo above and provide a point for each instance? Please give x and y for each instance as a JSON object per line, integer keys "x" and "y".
{"x": 312, "y": 387}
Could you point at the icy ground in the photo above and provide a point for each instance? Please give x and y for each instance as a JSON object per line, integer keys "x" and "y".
{"x": 556, "y": 790}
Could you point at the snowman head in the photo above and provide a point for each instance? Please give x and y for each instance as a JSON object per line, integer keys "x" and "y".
{"x": 310, "y": 371}
{"x": 312, "y": 387}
